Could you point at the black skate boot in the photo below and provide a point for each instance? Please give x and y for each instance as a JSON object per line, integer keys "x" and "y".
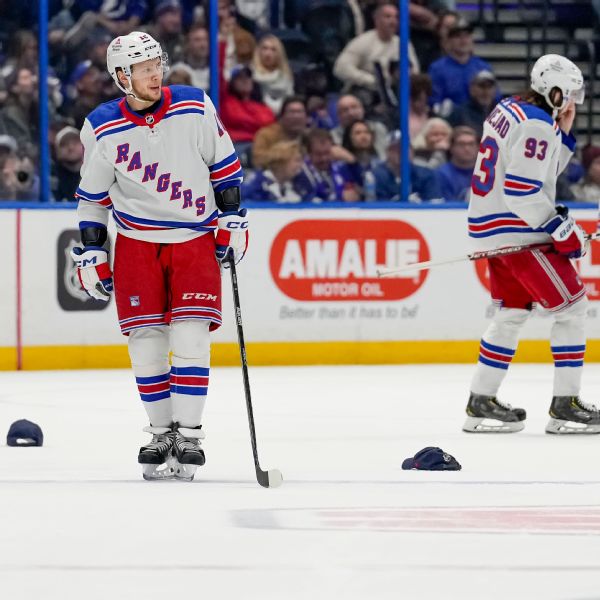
{"x": 570, "y": 415}
{"x": 156, "y": 456}
{"x": 486, "y": 414}
{"x": 187, "y": 451}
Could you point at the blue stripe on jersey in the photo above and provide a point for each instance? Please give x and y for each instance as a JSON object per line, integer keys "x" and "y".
{"x": 500, "y": 230}
{"x": 524, "y": 180}
{"x": 109, "y": 111}
{"x": 168, "y": 224}
{"x": 493, "y": 217}
{"x": 116, "y": 130}
{"x": 89, "y": 196}
{"x": 510, "y": 112}
{"x": 234, "y": 180}
{"x": 183, "y": 112}
{"x": 84, "y": 224}
{"x": 223, "y": 163}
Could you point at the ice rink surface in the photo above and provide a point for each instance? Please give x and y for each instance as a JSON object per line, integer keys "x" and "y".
{"x": 520, "y": 521}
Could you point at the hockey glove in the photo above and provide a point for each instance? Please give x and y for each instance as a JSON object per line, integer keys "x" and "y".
{"x": 94, "y": 271}
{"x": 568, "y": 238}
{"x": 232, "y": 236}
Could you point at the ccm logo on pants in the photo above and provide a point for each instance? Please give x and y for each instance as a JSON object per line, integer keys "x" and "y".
{"x": 198, "y": 296}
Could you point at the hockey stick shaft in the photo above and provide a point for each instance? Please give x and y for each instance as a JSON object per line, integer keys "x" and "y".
{"x": 473, "y": 256}
{"x": 264, "y": 478}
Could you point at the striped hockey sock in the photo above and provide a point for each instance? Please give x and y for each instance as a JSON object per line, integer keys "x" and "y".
{"x": 189, "y": 388}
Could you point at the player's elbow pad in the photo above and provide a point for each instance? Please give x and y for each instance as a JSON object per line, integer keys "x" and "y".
{"x": 93, "y": 236}
{"x": 228, "y": 200}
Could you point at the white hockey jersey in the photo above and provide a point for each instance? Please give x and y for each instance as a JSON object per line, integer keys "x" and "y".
{"x": 521, "y": 154}
{"x": 158, "y": 172}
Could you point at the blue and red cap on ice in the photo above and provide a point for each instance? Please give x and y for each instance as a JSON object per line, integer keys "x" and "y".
{"x": 24, "y": 433}
{"x": 431, "y": 459}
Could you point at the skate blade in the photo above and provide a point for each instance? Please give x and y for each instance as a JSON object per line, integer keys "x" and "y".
{"x": 479, "y": 425}
{"x": 561, "y": 427}
{"x": 162, "y": 472}
{"x": 184, "y": 472}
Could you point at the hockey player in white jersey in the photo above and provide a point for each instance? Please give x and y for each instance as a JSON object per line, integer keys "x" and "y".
{"x": 161, "y": 161}
{"x": 526, "y": 144}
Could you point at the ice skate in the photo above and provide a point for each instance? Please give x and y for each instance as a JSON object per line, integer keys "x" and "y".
{"x": 486, "y": 414}
{"x": 187, "y": 452}
{"x": 569, "y": 414}
{"x": 156, "y": 456}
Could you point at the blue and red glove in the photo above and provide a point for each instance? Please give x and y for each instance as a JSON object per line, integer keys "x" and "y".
{"x": 232, "y": 236}
{"x": 568, "y": 238}
{"x": 94, "y": 271}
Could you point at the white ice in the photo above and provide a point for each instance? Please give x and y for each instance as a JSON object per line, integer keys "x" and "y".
{"x": 520, "y": 521}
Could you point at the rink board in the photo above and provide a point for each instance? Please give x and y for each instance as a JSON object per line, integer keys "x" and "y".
{"x": 309, "y": 292}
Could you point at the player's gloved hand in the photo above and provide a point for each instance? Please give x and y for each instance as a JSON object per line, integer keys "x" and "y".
{"x": 232, "y": 236}
{"x": 568, "y": 238}
{"x": 94, "y": 271}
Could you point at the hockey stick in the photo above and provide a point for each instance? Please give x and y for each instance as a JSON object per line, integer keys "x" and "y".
{"x": 273, "y": 477}
{"x": 428, "y": 264}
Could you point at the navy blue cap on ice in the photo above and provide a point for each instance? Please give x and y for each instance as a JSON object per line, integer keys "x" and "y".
{"x": 431, "y": 459}
{"x": 24, "y": 433}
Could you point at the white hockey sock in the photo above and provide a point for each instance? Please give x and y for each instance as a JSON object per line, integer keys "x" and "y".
{"x": 567, "y": 340}
{"x": 498, "y": 346}
{"x": 190, "y": 341}
{"x": 148, "y": 350}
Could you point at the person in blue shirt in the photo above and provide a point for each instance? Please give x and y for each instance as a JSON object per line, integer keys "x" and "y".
{"x": 323, "y": 179}
{"x": 274, "y": 183}
{"x": 455, "y": 176}
{"x": 451, "y": 74}
{"x": 423, "y": 182}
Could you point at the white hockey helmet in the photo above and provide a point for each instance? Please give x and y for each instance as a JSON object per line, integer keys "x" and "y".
{"x": 555, "y": 71}
{"x": 127, "y": 50}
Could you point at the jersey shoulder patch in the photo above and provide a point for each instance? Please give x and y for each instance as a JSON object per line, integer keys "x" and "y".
{"x": 180, "y": 93}
{"x": 106, "y": 112}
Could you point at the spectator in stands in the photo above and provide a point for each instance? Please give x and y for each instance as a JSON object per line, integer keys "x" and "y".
{"x": 349, "y": 108}
{"x": 196, "y": 56}
{"x": 482, "y": 97}
{"x": 242, "y": 114}
{"x": 19, "y": 180}
{"x": 290, "y": 126}
{"x": 447, "y": 20}
{"x": 69, "y": 158}
{"x": 275, "y": 183}
{"x": 272, "y": 72}
{"x": 19, "y": 115}
{"x": 420, "y": 90}
{"x": 85, "y": 91}
{"x": 356, "y": 65}
{"x": 588, "y": 190}
{"x": 168, "y": 28}
{"x": 359, "y": 141}
{"x": 118, "y": 17}
{"x": 8, "y": 148}
{"x": 451, "y": 74}
{"x": 239, "y": 43}
{"x": 455, "y": 176}
{"x": 179, "y": 74}
{"x": 322, "y": 179}
{"x": 432, "y": 144}
{"x": 425, "y": 20}
{"x": 423, "y": 181}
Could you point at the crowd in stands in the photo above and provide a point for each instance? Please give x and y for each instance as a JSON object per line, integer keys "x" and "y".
{"x": 307, "y": 92}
